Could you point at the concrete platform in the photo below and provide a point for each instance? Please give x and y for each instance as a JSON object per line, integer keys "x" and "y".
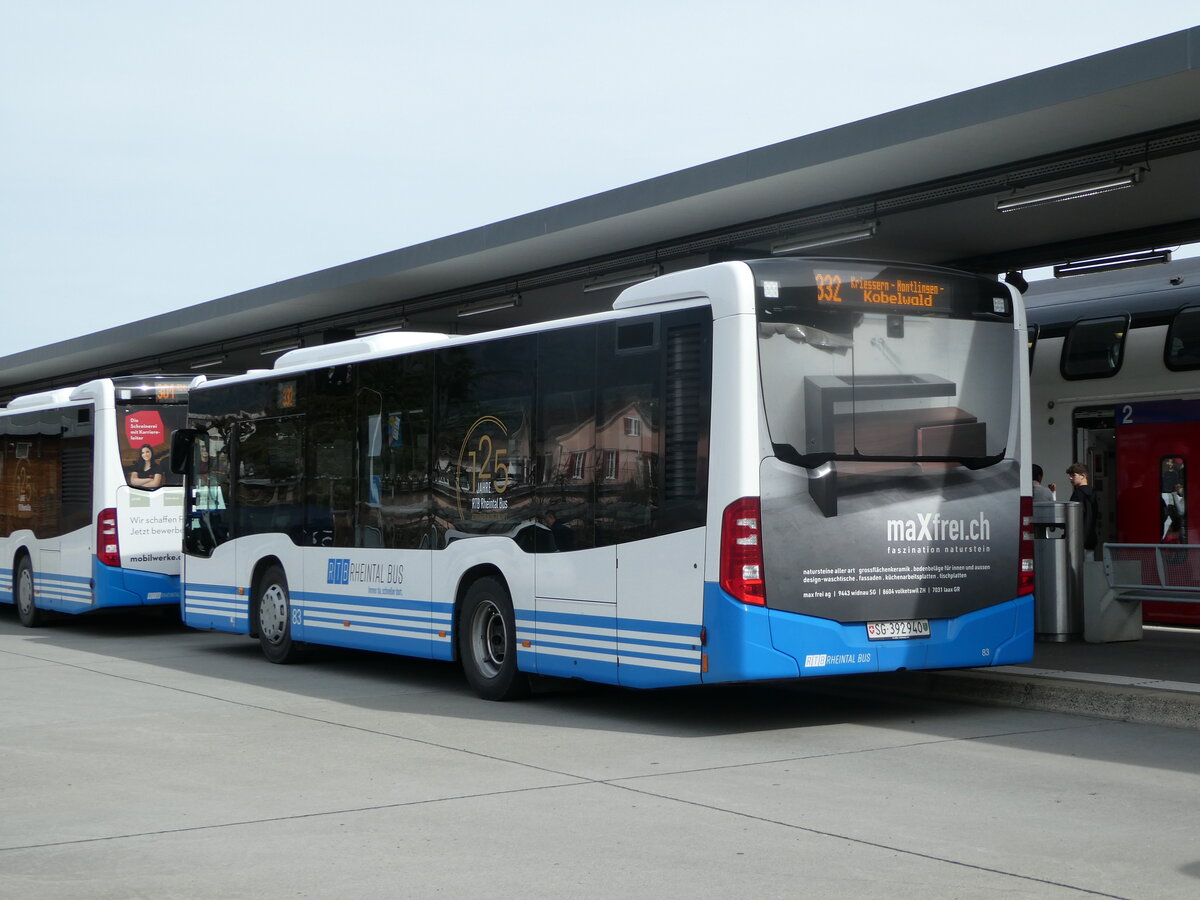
{"x": 1154, "y": 681}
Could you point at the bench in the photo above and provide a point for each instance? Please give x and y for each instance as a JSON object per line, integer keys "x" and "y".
{"x": 1136, "y": 572}
{"x": 1130, "y": 574}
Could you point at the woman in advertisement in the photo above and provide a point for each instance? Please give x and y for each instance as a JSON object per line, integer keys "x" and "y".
{"x": 146, "y": 472}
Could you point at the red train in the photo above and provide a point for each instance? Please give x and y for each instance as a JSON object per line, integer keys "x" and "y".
{"x": 1115, "y": 384}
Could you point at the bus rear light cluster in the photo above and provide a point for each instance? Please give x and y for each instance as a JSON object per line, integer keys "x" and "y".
{"x": 741, "y": 552}
{"x": 108, "y": 545}
{"x": 1025, "y": 573}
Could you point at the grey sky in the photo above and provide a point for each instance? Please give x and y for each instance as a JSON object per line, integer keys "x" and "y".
{"x": 155, "y": 155}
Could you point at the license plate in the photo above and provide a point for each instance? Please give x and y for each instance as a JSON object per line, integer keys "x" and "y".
{"x": 900, "y": 630}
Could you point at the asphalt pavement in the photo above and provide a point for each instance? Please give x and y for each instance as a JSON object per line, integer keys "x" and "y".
{"x": 142, "y": 759}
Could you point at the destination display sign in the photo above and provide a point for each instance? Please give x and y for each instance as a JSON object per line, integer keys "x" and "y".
{"x": 153, "y": 389}
{"x": 856, "y": 286}
{"x": 171, "y": 391}
{"x": 848, "y": 289}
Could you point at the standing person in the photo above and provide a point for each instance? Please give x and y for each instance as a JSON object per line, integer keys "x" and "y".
{"x": 1082, "y": 494}
{"x": 1172, "y": 494}
{"x": 1040, "y": 491}
{"x": 207, "y": 493}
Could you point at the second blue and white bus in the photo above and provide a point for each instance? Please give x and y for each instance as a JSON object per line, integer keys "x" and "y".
{"x": 90, "y": 515}
{"x": 752, "y": 470}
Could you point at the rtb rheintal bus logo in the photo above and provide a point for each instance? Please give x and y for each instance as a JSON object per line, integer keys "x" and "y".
{"x": 343, "y": 571}
{"x": 338, "y": 572}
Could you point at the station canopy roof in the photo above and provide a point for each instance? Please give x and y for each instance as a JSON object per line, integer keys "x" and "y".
{"x": 924, "y": 184}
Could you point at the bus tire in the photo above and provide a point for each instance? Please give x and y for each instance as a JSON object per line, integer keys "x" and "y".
{"x": 487, "y": 642}
{"x": 273, "y": 617}
{"x": 27, "y": 611}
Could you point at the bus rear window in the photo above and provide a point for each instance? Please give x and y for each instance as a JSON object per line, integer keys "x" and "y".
{"x": 867, "y": 388}
{"x": 883, "y": 363}
{"x": 144, "y": 436}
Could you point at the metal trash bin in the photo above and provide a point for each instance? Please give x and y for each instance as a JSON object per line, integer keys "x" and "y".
{"x": 1058, "y": 570}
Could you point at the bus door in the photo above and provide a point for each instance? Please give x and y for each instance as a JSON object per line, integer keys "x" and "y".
{"x": 210, "y": 598}
{"x": 271, "y": 516}
{"x": 575, "y": 562}
{"x": 371, "y": 585}
{"x": 1153, "y": 443}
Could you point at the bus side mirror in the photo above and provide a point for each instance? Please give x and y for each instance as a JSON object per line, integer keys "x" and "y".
{"x": 182, "y": 441}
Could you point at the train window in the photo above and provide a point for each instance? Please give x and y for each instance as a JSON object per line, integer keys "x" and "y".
{"x": 1183, "y": 340}
{"x": 1173, "y": 504}
{"x": 1033, "y": 336}
{"x": 1094, "y": 348}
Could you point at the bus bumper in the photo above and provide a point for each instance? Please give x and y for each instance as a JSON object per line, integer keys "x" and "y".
{"x": 129, "y": 587}
{"x": 750, "y": 642}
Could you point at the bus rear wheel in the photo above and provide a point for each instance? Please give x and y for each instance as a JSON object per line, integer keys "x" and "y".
{"x": 273, "y": 611}
{"x": 487, "y": 642}
{"x": 27, "y": 611}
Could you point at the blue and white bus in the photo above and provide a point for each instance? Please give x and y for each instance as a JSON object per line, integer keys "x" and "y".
{"x": 752, "y": 470}
{"x": 90, "y": 515}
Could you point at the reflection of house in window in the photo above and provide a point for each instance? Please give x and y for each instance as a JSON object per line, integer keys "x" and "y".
{"x": 565, "y": 454}
{"x": 625, "y": 440}
{"x": 611, "y": 451}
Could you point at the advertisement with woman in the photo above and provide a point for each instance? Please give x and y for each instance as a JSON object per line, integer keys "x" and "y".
{"x": 150, "y": 504}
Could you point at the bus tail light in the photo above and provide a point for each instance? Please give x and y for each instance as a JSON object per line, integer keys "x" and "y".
{"x": 741, "y": 552}
{"x": 1025, "y": 573}
{"x": 108, "y": 546}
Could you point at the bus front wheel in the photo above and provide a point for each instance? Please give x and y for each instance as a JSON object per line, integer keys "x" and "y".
{"x": 27, "y": 610}
{"x": 274, "y": 614}
{"x": 487, "y": 642}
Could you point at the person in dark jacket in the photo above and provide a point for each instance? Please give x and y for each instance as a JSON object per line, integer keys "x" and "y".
{"x": 1079, "y": 476}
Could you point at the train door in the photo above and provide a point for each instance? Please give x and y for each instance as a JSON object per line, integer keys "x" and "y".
{"x": 1096, "y": 447}
{"x": 1153, "y": 444}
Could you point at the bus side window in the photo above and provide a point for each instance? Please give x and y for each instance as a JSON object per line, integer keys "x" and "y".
{"x": 566, "y": 442}
{"x": 270, "y": 474}
{"x": 652, "y": 428}
{"x": 628, "y": 463}
{"x": 329, "y": 483}
{"x": 393, "y": 505}
{"x": 78, "y": 447}
{"x": 483, "y": 438}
